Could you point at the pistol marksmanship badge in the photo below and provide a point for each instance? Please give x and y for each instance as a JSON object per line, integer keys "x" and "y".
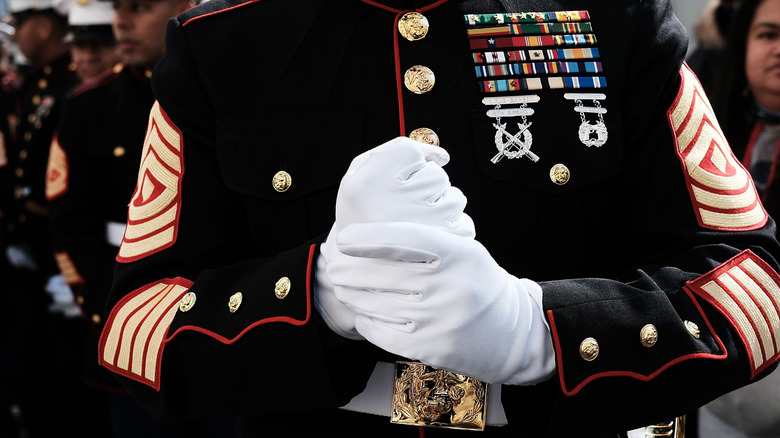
{"x": 529, "y": 51}
{"x": 591, "y": 134}
{"x": 425, "y": 396}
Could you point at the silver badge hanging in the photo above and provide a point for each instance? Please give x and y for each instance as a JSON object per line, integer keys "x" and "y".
{"x": 512, "y": 145}
{"x": 591, "y": 134}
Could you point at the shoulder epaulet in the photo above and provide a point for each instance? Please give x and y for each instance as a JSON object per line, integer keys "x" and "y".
{"x": 100, "y": 81}
{"x": 211, "y": 8}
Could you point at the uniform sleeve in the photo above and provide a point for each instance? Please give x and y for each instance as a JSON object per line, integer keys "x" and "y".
{"x": 694, "y": 310}
{"x": 76, "y": 205}
{"x": 204, "y": 317}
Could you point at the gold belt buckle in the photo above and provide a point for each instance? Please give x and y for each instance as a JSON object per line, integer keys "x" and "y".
{"x": 426, "y": 396}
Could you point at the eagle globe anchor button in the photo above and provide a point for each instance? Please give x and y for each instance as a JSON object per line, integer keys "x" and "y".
{"x": 426, "y": 396}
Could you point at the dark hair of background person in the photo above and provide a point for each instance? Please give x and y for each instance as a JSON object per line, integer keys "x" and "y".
{"x": 732, "y": 99}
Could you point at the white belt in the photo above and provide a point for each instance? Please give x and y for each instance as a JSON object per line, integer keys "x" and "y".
{"x": 115, "y": 232}
{"x": 377, "y": 398}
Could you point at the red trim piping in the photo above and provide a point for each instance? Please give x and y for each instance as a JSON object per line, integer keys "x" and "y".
{"x": 285, "y": 319}
{"x": 219, "y": 11}
{"x": 638, "y": 376}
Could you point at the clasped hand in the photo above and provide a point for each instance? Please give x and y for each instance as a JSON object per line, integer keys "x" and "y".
{"x": 401, "y": 269}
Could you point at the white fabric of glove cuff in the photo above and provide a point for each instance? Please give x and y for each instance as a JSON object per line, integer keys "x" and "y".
{"x": 433, "y": 296}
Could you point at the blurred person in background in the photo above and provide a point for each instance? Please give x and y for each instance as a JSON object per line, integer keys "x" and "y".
{"x": 46, "y": 402}
{"x": 748, "y": 106}
{"x": 93, "y": 165}
{"x": 92, "y": 44}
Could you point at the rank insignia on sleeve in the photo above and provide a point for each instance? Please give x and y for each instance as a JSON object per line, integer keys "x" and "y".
{"x": 153, "y": 213}
{"x": 3, "y": 153}
{"x": 68, "y": 269}
{"x": 134, "y": 335}
{"x": 56, "y": 171}
{"x": 723, "y": 194}
{"x": 747, "y": 292}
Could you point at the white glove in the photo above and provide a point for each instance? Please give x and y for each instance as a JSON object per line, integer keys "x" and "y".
{"x": 61, "y": 297}
{"x": 401, "y": 180}
{"x": 21, "y": 257}
{"x": 440, "y": 298}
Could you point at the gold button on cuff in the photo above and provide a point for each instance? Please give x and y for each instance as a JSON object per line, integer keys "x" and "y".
{"x": 80, "y": 300}
{"x": 19, "y": 172}
{"x": 96, "y": 319}
{"x": 119, "y": 151}
{"x": 282, "y": 181}
{"x": 235, "y": 301}
{"x": 419, "y": 79}
{"x": 559, "y": 174}
{"x": 425, "y": 135}
{"x": 282, "y": 288}
{"x": 43, "y": 83}
{"x": 36, "y": 100}
{"x": 589, "y": 349}
{"x": 693, "y": 329}
{"x": 23, "y": 154}
{"x": 648, "y": 335}
{"x": 413, "y": 26}
{"x": 187, "y": 301}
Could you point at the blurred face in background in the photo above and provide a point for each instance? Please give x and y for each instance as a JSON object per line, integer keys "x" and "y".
{"x": 30, "y": 35}
{"x": 762, "y": 59}
{"x": 93, "y": 59}
{"x": 139, "y": 28}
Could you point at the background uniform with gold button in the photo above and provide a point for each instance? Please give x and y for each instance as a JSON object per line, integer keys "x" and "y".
{"x": 243, "y": 159}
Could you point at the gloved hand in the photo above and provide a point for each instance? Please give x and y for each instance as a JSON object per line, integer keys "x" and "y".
{"x": 401, "y": 180}
{"x": 61, "y": 297}
{"x": 440, "y": 298}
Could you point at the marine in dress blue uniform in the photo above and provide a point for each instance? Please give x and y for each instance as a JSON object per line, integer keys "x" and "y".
{"x": 599, "y": 174}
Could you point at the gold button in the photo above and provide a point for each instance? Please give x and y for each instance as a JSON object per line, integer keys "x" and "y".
{"x": 413, "y": 26}
{"x": 27, "y": 136}
{"x": 32, "y": 118}
{"x": 119, "y": 151}
{"x": 589, "y": 349}
{"x": 18, "y": 192}
{"x": 282, "y": 288}
{"x": 19, "y": 172}
{"x": 419, "y": 79}
{"x": 282, "y": 181}
{"x": 235, "y": 301}
{"x": 559, "y": 174}
{"x": 47, "y": 70}
{"x": 648, "y": 335}
{"x": 693, "y": 329}
{"x": 425, "y": 135}
{"x": 80, "y": 300}
{"x": 187, "y": 301}
{"x": 118, "y": 68}
{"x": 37, "y": 124}
{"x": 42, "y": 83}
{"x": 148, "y": 73}
{"x": 96, "y": 319}
{"x": 23, "y": 154}
{"x": 36, "y": 100}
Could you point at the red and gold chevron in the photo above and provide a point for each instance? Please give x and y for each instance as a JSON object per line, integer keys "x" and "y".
{"x": 747, "y": 291}
{"x": 153, "y": 214}
{"x": 68, "y": 268}
{"x": 132, "y": 341}
{"x": 722, "y": 192}
{"x": 56, "y": 171}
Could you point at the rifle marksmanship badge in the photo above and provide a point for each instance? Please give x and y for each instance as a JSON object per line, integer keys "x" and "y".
{"x": 517, "y": 54}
